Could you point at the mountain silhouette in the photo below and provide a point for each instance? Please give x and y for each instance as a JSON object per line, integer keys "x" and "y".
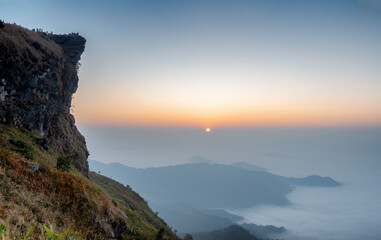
{"x": 208, "y": 186}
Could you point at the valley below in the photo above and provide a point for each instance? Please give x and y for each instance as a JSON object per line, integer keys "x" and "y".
{"x": 270, "y": 206}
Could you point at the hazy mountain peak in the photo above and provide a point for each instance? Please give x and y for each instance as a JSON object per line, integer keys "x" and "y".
{"x": 247, "y": 166}
{"x": 200, "y": 159}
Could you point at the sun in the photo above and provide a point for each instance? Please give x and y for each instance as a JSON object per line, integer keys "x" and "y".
{"x": 207, "y": 130}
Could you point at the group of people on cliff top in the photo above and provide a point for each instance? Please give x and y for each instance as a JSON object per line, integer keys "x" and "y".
{"x": 40, "y": 30}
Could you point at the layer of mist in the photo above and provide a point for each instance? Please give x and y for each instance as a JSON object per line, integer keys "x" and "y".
{"x": 348, "y": 212}
{"x": 352, "y": 156}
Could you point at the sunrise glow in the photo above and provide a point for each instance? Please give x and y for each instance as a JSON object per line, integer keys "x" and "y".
{"x": 241, "y": 76}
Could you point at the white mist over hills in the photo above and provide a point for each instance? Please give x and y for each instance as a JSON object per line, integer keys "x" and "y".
{"x": 351, "y": 156}
{"x": 348, "y": 212}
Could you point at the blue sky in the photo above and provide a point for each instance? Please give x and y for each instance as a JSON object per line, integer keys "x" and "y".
{"x": 220, "y": 63}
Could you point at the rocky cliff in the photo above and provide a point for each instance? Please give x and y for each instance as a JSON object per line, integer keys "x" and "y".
{"x": 38, "y": 77}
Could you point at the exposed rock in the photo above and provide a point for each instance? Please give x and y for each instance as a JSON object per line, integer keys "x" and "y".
{"x": 34, "y": 167}
{"x": 38, "y": 77}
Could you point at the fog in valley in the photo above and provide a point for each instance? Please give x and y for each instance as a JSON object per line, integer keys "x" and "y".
{"x": 348, "y": 212}
{"x": 351, "y": 156}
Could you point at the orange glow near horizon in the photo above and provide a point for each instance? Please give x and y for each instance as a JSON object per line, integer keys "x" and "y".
{"x": 161, "y": 117}
{"x": 211, "y": 99}
{"x": 254, "y": 71}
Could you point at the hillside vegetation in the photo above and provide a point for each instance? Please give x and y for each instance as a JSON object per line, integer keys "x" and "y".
{"x": 45, "y": 189}
{"x": 141, "y": 219}
{"x": 66, "y": 202}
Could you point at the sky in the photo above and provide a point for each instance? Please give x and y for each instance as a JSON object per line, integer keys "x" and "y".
{"x": 219, "y": 63}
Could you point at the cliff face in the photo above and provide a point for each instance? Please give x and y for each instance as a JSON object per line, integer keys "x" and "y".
{"x": 38, "y": 77}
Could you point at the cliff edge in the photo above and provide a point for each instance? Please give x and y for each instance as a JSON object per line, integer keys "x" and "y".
{"x": 38, "y": 77}
{"x": 46, "y": 189}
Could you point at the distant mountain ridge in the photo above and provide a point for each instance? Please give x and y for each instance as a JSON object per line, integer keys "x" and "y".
{"x": 245, "y": 165}
{"x": 185, "y": 195}
{"x": 230, "y": 233}
{"x": 209, "y": 186}
{"x": 264, "y": 232}
{"x": 241, "y": 232}
{"x": 200, "y": 159}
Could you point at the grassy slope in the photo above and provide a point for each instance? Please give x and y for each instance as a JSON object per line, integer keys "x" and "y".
{"x": 65, "y": 201}
{"x": 141, "y": 219}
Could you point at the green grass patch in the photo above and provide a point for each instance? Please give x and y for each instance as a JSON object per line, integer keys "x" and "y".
{"x": 63, "y": 163}
{"x": 22, "y": 147}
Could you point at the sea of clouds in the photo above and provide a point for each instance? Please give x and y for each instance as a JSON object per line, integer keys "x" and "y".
{"x": 348, "y": 212}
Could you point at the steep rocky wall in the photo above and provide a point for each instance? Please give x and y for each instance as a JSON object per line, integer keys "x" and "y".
{"x": 38, "y": 77}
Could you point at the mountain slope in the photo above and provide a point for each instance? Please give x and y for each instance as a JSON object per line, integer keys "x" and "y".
{"x": 43, "y": 157}
{"x": 33, "y": 193}
{"x": 141, "y": 219}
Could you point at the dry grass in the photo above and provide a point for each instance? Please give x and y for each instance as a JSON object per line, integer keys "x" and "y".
{"x": 55, "y": 198}
{"x": 66, "y": 201}
{"x": 18, "y": 40}
{"x": 142, "y": 223}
